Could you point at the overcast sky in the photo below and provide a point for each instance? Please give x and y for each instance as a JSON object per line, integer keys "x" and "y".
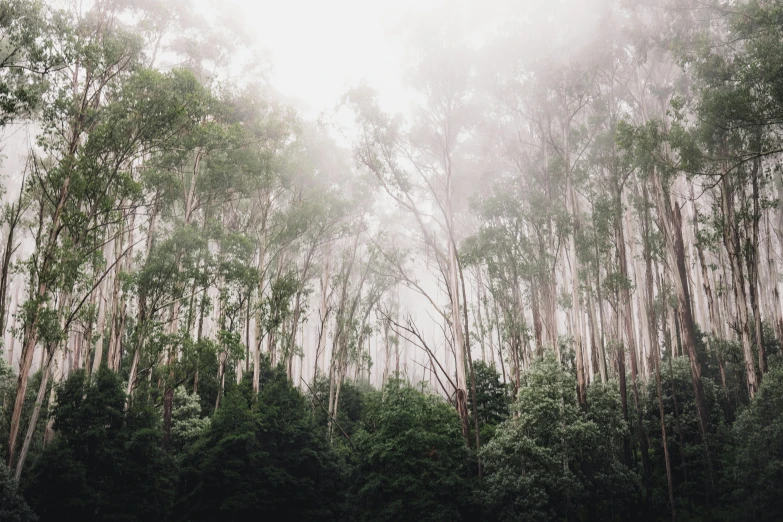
{"x": 320, "y": 48}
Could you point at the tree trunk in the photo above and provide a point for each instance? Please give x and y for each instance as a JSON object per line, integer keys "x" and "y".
{"x": 671, "y": 225}
{"x": 630, "y": 336}
{"x": 664, "y": 440}
{"x": 733, "y": 248}
{"x": 712, "y": 308}
{"x": 35, "y": 414}
{"x": 576, "y": 309}
{"x": 772, "y": 283}
{"x": 457, "y": 332}
{"x": 655, "y": 349}
{"x": 752, "y": 259}
{"x": 472, "y": 373}
{"x": 16, "y": 213}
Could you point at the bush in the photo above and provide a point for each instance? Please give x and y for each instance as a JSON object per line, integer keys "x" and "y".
{"x": 551, "y": 460}
{"x": 13, "y": 508}
{"x": 756, "y": 469}
{"x": 105, "y": 463}
{"x": 411, "y": 458}
{"x": 261, "y": 461}
{"x": 491, "y": 400}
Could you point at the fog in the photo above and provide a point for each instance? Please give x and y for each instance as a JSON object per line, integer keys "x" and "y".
{"x": 543, "y": 210}
{"x": 319, "y": 50}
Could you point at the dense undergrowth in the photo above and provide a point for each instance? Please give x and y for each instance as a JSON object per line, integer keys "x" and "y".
{"x": 399, "y": 450}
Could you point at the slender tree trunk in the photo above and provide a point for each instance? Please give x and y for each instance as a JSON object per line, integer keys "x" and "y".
{"x": 472, "y": 373}
{"x": 479, "y": 319}
{"x": 752, "y": 257}
{"x": 248, "y": 342}
{"x": 671, "y": 225}
{"x": 221, "y": 379}
{"x": 655, "y": 348}
{"x": 630, "y": 336}
{"x": 142, "y": 312}
{"x": 500, "y": 342}
{"x": 576, "y": 309}
{"x": 733, "y": 249}
{"x": 664, "y": 440}
{"x": 772, "y": 283}
{"x": 459, "y": 341}
{"x": 25, "y": 362}
{"x": 114, "y": 334}
{"x": 101, "y": 328}
{"x": 537, "y": 329}
{"x": 712, "y": 308}
{"x": 35, "y": 414}
{"x": 132, "y": 375}
{"x": 15, "y": 216}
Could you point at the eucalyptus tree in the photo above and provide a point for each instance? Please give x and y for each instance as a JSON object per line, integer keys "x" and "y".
{"x": 609, "y": 177}
{"x": 28, "y": 54}
{"x": 156, "y": 103}
{"x": 521, "y": 171}
{"x": 655, "y": 92}
{"x": 360, "y": 283}
{"x": 104, "y": 112}
{"x": 307, "y": 215}
{"x": 215, "y": 182}
{"x": 571, "y": 89}
{"x": 183, "y": 175}
{"x": 28, "y": 34}
{"x": 418, "y": 165}
{"x": 504, "y": 246}
{"x": 326, "y": 196}
{"x": 539, "y": 116}
{"x": 735, "y": 145}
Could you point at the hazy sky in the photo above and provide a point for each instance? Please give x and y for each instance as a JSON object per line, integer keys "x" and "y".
{"x": 320, "y": 48}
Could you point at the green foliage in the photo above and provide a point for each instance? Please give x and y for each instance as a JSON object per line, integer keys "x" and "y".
{"x": 241, "y": 200}
{"x": 728, "y": 354}
{"x": 694, "y": 476}
{"x": 105, "y": 463}
{"x": 349, "y": 412}
{"x": 411, "y": 458}
{"x": 7, "y": 393}
{"x": 13, "y": 507}
{"x": 27, "y": 54}
{"x": 491, "y": 400}
{"x": 755, "y": 467}
{"x": 553, "y": 461}
{"x": 267, "y": 460}
{"x": 187, "y": 424}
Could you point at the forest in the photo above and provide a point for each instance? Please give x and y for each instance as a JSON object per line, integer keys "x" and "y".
{"x": 544, "y": 287}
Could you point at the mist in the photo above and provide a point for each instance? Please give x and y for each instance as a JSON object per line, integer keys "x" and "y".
{"x": 391, "y": 260}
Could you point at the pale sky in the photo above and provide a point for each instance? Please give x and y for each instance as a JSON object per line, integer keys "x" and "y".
{"x": 319, "y": 49}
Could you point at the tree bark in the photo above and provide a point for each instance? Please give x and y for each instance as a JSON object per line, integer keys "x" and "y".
{"x": 733, "y": 248}
{"x": 630, "y": 336}
{"x": 671, "y": 224}
{"x": 15, "y": 214}
{"x": 35, "y": 414}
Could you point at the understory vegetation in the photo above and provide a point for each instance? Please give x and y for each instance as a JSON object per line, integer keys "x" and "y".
{"x": 397, "y": 450}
